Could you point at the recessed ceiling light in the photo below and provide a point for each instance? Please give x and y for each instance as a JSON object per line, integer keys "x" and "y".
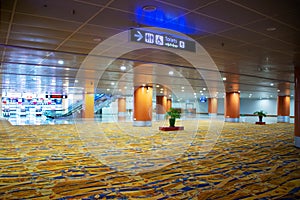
{"x": 149, "y": 8}
{"x": 171, "y": 73}
{"x": 112, "y": 83}
{"x": 97, "y": 39}
{"x": 272, "y": 84}
{"x": 278, "y": 90}
{"x": 204, "y": 88}
{"x": 123, "y": 68}
{"x": 224, "y": 78}
{"x": 61, "y": 62}
{"x": 157, "y": 86}
{"x": 271, "y": 29}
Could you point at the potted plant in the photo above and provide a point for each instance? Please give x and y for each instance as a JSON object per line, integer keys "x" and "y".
{"x": 260, "y": 114}
{"x": 173, "y": 114}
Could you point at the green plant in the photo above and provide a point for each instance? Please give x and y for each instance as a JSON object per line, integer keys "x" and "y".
{"x": 260, "y": 113}
{"x": 173, "y": 113}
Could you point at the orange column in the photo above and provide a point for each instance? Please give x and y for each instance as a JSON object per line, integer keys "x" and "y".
{"x": 1, "y": 115}
{"x": 283, "y": 109}
{"x": 161, "y": 107}
{"x": 88, "y": 101}
{"x": 169, "y": 104}
{"x": 142, "y": 113}
{"x": 297, "y": 107}
{"x": 232, "y": 107}
{"x": 212, "y": 106}
{"x": 122, "y": 108}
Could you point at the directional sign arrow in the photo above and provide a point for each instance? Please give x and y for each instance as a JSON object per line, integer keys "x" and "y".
{"x": 139, "y": 36}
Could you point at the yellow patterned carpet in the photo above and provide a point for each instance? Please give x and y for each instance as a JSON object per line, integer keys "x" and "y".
{"x": 63, "y": 162}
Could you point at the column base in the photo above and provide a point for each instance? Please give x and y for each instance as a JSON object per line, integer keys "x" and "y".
{"x": 227, "y": 119}
{"x": 297, "y": 141}
{"x": 121, "y": 118}
{"x": 283, "y": 119}
{"x": 160, "y": 116}
{"x": 142, "y": 123}
{"x": 122, "y": 114}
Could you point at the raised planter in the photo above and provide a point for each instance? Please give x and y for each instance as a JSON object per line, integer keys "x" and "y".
{"x": 260, "y": 123}
{"x": 171, "y": 128}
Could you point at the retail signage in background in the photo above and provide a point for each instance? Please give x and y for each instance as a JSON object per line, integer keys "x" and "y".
{"x": 162, "y": 39}
{"x": 56, "y": 96}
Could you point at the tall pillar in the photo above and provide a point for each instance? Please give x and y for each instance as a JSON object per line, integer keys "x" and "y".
{"x": 232, "y": 107}
{"x": 212, "y": 106}
{"x": 122, "y": 108}
{"x": 88, "y": 101}
{"x": 1, "y": 114}
{"x": 161, "y": 107}
{"x": 169, "y": 104}
{"x": 283, "y": 109}
{"x": 142, "y": 113}
{"x": 297, "y": 107}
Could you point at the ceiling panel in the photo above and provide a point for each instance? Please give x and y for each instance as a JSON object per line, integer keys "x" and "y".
{"x": 39, "y": 31}
{"x": 242, "y": 35}
{"x": 218, "y": 42}
{"x": 188, "y": 4}
{"x": 69, "y": 10}
{"x": 94, "y": 2}
{"x": 205, "y": 23}
{"x": 42, "y": 22}
{"x": 220, "y": 9}
{"x": 234, "y": 33}
{"x": 118, "y": 20}
{"x": 285, "y": 11}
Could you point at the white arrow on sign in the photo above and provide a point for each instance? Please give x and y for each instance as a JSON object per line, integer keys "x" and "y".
{"x": 139, "y": 36}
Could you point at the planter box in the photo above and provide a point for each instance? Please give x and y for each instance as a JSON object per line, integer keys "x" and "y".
{"x": 169, "y": 128}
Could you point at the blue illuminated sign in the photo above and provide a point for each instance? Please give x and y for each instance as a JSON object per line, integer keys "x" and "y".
{"x": 162, "y": 39}
{"x": 165, "y": 19}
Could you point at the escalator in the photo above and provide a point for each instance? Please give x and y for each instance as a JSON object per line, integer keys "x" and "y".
{"x": 101, "y": 101}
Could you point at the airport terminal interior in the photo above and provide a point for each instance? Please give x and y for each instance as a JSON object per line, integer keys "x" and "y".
{"x": 90, "y": 91}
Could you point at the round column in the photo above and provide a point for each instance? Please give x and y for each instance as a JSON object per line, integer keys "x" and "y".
{"x": 169, "y": 104}
{"x": 232, "y": 107}
{"x": 297, "y": 107}
{"x": 212, "y": 106}
{"x": 89, "y": 100}
{"x": 121, "y": 109}
{"x": 283, "y": 109}
{"x": 142, "y": 113}
{"x": 161, "y": 107}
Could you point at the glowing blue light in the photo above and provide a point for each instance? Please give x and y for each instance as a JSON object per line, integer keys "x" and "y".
{"x": 159, "y": 18}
